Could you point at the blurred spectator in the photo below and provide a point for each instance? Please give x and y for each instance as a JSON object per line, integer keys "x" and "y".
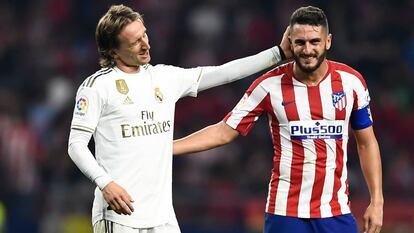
{"x": 22, "y": 158}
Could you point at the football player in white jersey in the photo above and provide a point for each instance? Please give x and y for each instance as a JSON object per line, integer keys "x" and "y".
{"x": 128, "y": 106}
{"x": 310, "y": 102}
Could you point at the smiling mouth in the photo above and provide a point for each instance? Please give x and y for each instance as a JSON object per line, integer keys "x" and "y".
{"x": 308, "y": 59}
{"x": 146, "y": 53}
{"x": 308, "y": 56}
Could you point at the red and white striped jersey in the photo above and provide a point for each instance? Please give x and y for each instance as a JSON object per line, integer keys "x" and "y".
{"x": 309, "y": 128}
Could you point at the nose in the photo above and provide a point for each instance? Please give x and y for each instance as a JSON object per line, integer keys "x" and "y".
{"x": 145, "y": 43}
{"x": 307, "y": 48}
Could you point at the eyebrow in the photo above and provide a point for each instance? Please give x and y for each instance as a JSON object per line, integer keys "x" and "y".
{"x": 311, "y": 40}
{"x": 145, "y": 31}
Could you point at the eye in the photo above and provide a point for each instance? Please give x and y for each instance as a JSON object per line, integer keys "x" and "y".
{"x": 315, "y": 42}
{"x": 299, "y": 42}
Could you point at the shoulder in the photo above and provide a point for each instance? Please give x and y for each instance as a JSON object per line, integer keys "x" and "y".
{"x": 161, "y": 67}
{"x": 169, "y": 68}
{"x": 347, "y": 72}
{"x": 97, "y": 78}
{"x": 147, "y": 67}
{"x": 164, "y": 73}
{"x": 274, "y": 75}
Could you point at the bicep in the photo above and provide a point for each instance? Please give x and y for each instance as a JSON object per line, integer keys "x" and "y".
{"x": 365, "y": 137}
{"x": 227, "y": 133}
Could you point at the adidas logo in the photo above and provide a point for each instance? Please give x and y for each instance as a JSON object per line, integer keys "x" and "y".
{"x": 128, "y": 101}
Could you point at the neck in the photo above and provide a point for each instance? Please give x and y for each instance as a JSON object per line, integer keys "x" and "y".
{"x": 312, "y": 78}
{"x": 127, "y": 68}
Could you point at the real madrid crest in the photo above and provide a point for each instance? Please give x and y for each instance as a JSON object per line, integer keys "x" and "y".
{"x": 121, "y": 86}
{"x": 158, "y": 95}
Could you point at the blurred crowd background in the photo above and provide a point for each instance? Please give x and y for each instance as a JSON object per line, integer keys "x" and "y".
{"x": 47, "y": 48}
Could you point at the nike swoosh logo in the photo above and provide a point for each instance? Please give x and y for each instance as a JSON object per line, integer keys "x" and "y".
{"x": 285, "y": 103}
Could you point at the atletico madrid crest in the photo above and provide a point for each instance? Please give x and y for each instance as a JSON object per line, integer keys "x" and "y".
{"x": 339, "y": 100}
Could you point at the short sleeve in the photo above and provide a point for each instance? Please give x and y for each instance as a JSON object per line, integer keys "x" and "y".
{"x": 245, "y": 114}
{"x": 361, "y": 117}
{"x": 87, "y": 110}
{"x": 185, "y": 81}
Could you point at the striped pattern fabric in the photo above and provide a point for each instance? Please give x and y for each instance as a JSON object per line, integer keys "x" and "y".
{"x": 89, "y": 81}
{"x": 106, "y": 226}
{"x": 309, "y": 129}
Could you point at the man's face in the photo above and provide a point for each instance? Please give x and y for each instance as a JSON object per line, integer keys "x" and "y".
{"x": 134, "y": 45}
{"x": 309, "y": 44}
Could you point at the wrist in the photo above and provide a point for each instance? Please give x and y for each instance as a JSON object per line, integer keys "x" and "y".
{"x": 378, "y": 201}
{"x": 282, "y": 53}
{"x": 102, "y": 181}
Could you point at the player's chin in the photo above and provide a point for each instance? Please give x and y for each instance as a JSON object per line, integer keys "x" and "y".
{"x": 145, "y": 59}
{"x": 308, "y": 68}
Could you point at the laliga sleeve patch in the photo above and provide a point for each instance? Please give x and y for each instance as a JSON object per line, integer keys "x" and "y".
{"x": 81, "y": 106}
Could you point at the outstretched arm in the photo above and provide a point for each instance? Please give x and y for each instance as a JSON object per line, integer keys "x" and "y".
{"x": 369, "y": 155}
{"x": 205, "y": 139}
{"x": 232, "y": 71}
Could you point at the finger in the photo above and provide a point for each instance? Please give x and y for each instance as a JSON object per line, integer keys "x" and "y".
{"x": 129, "y": 197}
{"x": 287, "y": 31}
{"x": 113, "y": 208}
{"x": 377, "y": 228}
{"x": 125, "y": 208}
{"x": 122, "y": 201}
{"x": 115, "y": 205}
{"x": 129, "y": 206}
{"x": 371, "y": 229}
{"x": 128, "y": 201}
{"x": 366, "y": 225}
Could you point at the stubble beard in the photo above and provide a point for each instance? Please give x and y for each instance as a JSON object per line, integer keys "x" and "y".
{"x": 308, "y": 69}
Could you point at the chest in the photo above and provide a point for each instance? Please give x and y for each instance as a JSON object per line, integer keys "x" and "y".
{"x": 138, "y": 99}
{"x": 303, "y": 103}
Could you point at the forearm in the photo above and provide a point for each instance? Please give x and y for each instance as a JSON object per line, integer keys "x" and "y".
{"x": 229, "y": 72}
{"x": 205, "y": 139}
{"x": 370, "y": 160}
{"x": 81, "y": 155}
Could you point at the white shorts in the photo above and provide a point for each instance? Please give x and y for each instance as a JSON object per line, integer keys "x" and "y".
{"x": 106, "y": 226}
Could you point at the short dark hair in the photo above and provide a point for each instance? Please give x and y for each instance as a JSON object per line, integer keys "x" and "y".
{"x": 108, "y": 29}
{"x": 309, "y": 15}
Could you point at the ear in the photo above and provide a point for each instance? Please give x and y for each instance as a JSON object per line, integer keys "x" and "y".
{"x": 114, "y": 54}
{"x": 328, "y": 41}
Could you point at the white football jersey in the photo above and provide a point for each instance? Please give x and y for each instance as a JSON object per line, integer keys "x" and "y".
{"x": 131, "y": 117}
